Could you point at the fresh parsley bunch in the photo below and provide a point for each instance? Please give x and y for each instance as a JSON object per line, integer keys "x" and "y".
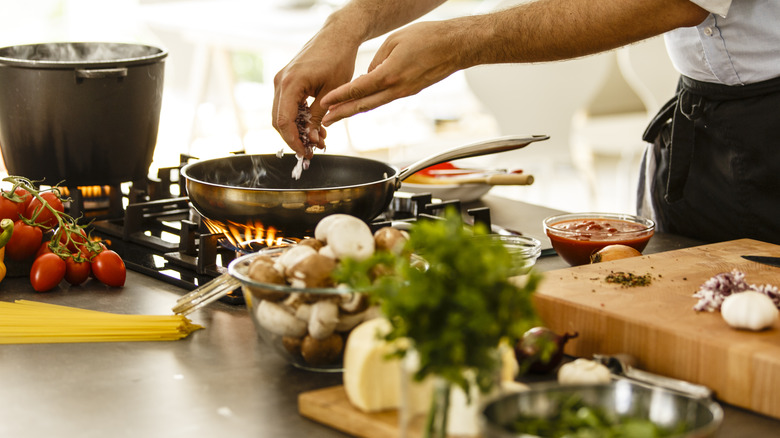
{"x": 457, "y": 310}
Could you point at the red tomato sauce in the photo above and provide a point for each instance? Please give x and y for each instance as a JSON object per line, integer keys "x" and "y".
{"x": 575, "y": 240}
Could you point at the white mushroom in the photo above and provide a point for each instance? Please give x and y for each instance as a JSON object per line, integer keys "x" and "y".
{"x": 354, "y": 303}
{"x": 327, "y": 251}
{"x": 323, "y": 226}
{"x": 303, "y": 312}
{"x": 347, "y": 322}
{"x": 289, "y": 258}
{"x": 279, "y": 320}
{"x": 351, "y": 237}
{"x": 323, "y": 319}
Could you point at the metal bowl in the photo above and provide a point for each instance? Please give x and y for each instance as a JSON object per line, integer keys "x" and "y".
{"x": 676, "y": 415}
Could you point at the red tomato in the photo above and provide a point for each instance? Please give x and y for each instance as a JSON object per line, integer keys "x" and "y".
{"x": 26, "y": 198}
{"x": 109, "y": 268}
{"x": 10, "y": 209}
{"x": 77, "y": 272}
{"x": 44, "y": 249}
{"x": 45, "y": 216}
{"x": 25, "y": 241}
{"x": 47, "y": 272}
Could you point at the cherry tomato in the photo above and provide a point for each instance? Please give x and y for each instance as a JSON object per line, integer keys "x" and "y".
{"x": 26, "y": 198}
{"x": 25, "y": 241}
{"x": 109, "y": 268}
{"x": 47, "y": 272}
{"x": 10, "y": 209}
{"x": 45, "y": 217}
{"x": 44, "y": 249}
{"x": 77, "y": 272}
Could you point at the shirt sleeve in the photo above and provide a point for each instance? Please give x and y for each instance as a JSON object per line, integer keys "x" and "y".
{"x": 720, "y": 7}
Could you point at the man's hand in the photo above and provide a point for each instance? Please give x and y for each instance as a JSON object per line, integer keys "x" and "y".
{"x": 324, "y": 63}
{"x": 409, "y": 60}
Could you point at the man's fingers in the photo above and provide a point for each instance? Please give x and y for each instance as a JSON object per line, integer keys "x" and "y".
{"x": 350, "y": 108}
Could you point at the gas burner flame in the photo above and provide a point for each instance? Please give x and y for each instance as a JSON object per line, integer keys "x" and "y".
{"x": 247, "y": 237}
{"x": 89, "y": 192}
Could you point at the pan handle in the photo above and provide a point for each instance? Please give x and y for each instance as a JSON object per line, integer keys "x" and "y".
{"x": 487, "y": 147}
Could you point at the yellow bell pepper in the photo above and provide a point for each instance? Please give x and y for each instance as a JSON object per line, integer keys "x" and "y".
{"x": 7, "y": 226}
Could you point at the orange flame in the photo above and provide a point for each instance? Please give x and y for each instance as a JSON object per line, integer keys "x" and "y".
{"x": 89, "y": 191}
{"x": 241, "y": 234}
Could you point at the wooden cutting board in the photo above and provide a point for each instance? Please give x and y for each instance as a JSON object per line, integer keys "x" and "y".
{"x": 657, "y": 323}
{"x": 330, "y": 406}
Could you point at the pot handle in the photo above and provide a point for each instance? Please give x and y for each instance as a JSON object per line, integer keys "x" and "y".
{"x": 101, "y": 73}
{"x": 502, "y": 144}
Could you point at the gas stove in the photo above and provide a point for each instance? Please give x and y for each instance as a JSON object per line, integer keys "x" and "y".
{"x": 159, "y": 234}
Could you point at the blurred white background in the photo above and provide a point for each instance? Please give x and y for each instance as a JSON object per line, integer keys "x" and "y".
{"x": 218, "y": 93}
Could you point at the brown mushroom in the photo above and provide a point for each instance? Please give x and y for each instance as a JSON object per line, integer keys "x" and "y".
{"x": 390, "y": 239}
{"x": 263, "y": 271}
{"x": 292, "y": 345}
{"x": 314, "y": 243}
{"x": 312, "y": 271}
{"x": 322, "y": 352}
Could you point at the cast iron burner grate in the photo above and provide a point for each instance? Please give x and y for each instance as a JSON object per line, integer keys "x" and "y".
{"x": 160, "y": 235}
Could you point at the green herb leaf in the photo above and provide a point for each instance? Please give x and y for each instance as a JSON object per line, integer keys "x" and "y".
{"x": 458, "y": 309}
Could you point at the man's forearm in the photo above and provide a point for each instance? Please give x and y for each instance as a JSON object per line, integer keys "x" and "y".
{"x": 367, "y": 19}
{"x": 549, "y": 30}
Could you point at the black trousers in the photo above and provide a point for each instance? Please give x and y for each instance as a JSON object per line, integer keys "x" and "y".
{"x": 712, "y": 171}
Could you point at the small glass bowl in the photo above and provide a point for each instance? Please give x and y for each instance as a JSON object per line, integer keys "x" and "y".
{"x": 281, "y": 315}
{"x": 523, "y": 249}
{"x": 576, "y": 236}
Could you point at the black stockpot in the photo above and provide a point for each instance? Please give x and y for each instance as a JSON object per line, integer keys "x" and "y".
{"x": 82, "y": 113}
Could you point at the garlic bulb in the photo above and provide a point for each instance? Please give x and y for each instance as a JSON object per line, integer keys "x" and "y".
{"x": 749, "y": 310}
{"x": 583, "y": 371}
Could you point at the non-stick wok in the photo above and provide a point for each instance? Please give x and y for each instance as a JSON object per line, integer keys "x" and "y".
{"x": 247, "y": 189}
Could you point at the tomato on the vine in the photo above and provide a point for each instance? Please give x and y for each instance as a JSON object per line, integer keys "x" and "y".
{"x": 47, "y": 272}
{"x": 45, "y": 216}
{"x": 43, "y": 249}
{"x": 26, "y": 198}
{"x": 25, "y": 241}
{"x": 73, "y": 240}
{"x": 77, "y": 272}
{"x": 10, "y": 209}
{"x": 109, "y": 268}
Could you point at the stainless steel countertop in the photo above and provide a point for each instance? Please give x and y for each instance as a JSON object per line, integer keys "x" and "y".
{"x": 217, "y": 382}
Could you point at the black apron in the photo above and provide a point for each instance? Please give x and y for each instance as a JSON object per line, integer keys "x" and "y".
{"x": 716, "y": 155}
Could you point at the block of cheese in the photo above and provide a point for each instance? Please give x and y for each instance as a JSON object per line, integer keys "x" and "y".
{"x": 373, "y": 381}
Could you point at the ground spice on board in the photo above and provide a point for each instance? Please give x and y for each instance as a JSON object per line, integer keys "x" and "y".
{"x": 628, "y": 279}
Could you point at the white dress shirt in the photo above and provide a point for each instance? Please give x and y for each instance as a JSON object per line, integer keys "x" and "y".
{"x": 737, "y": 44}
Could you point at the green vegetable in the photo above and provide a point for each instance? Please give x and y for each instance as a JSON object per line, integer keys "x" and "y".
{"x": 575, "y": 419}
{"x": 458, "y": 309}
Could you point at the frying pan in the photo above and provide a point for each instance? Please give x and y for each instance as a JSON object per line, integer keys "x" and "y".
{"x": 246, "y": 189}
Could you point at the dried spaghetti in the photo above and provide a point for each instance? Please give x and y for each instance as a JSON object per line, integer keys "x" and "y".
{"x": 29, "y": 322}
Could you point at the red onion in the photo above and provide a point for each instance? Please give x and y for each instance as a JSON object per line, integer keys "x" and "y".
{"x": 541, "y": 350}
